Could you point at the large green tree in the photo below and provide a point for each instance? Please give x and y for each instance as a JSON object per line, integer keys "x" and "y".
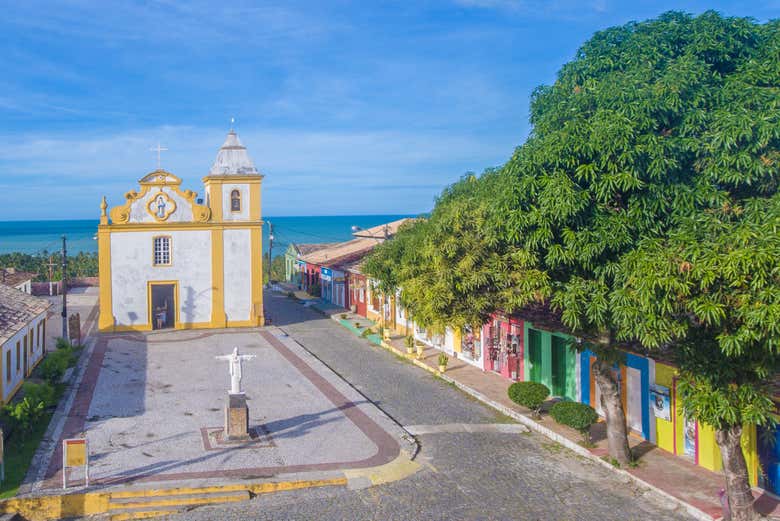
{"x": 624, "y": 145}
{"x": 712, "y": 288}
{"x": 448, "y": 271}
{"x": 651, "y": 124}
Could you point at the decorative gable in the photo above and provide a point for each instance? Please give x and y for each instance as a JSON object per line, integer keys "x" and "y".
{"x": 160, "y": 200}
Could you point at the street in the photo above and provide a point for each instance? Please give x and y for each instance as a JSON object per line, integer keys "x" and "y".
{"x": 465, "y": 475}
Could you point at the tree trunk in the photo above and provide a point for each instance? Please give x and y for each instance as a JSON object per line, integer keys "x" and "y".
{"x": 617, "y": 434}
{"x": 736, "y": 472}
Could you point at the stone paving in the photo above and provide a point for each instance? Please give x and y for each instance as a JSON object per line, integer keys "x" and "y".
{"x": 475, "y": 473}
{"x": 152, "y": 408}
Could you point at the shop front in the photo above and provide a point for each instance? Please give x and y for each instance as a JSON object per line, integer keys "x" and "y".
{"x": 548, "y": 358}
{"x": 471, "y": 346}
{"x": 326, "y": 284}
{"x": 504, "y": 346}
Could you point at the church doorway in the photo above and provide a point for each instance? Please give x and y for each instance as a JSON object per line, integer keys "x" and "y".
{"x": 162, "y": 304}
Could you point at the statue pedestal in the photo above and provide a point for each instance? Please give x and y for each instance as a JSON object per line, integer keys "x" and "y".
{"x": 236, "y": 417}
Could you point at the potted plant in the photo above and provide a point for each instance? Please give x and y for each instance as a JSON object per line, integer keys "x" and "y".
{"x": 443, "y": 362}
{"x": 409, "y": 344}
{"x": 386, "y": 333}
{"x": 420, "y": 349}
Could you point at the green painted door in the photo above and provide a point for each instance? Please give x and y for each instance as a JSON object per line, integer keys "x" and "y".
{"x": 558, "y": 363}
{"x": 535, "y": 355}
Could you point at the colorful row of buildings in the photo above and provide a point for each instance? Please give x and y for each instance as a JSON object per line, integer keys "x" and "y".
{"x": 531, "y": 348}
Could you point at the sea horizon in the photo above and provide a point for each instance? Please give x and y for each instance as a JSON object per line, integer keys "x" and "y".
{"x": 45, "y": 236}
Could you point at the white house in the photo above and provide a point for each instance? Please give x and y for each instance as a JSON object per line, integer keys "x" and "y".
{"x": 169, "y": 259}
{"x": 20, "y": 280}
{"x": 22, "y": 338}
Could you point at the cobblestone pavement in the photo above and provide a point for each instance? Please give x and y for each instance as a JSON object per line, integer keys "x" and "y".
{"x": 465, "y": 476}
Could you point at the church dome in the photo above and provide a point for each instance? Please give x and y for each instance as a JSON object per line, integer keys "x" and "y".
{"x": 233, "y": 159}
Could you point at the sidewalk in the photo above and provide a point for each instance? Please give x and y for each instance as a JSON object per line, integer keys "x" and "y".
{"x": 694, "y": 487}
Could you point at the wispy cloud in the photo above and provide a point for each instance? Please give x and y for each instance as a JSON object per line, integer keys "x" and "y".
{"x": 321, "y": 172}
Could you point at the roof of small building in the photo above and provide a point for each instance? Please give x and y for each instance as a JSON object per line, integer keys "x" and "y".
{"x": 355, "y": 249}
{"x": 383, "y": 230}
{"x": 341, "y": 252}
{"x": 13, "y": 277}
{"x": 233, "y": 158}
{"x": 17, "y": 309}
{"x": 307, "y": 248}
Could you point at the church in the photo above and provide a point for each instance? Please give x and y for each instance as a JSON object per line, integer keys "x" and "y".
{"x": 169, "y": 259}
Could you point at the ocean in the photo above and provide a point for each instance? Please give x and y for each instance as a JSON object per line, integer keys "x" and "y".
{"x": 46, "y": 236}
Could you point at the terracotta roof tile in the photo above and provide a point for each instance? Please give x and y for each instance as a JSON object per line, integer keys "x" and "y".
{"x": 17, "y": 309}
{"x": 12, "y": 277}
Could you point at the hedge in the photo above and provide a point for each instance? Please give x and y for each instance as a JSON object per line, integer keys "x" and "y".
{"x": 576, "y": 415}
{"x": 529, "y": 394}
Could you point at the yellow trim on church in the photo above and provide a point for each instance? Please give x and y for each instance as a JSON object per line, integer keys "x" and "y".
{"x": 218, "y": 317}
{"x": 204, "y": 218}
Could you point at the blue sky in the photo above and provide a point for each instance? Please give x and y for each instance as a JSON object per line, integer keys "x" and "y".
{"x": 347, "y": 107}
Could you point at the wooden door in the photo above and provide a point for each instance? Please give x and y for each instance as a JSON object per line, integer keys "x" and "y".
{"x": 534, "y": 355}
{"x": 558, "y": 362}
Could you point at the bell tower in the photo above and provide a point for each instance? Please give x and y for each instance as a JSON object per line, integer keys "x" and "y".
{"x": 233, "y": 183}
{"x": 232, "y": 189}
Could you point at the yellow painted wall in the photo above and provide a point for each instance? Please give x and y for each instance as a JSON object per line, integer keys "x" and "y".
{"x": 457, "y": 333}
{"x": 749, "y": 444}
{"x": 664, "y": 429}
{"x": 709, "y": 453}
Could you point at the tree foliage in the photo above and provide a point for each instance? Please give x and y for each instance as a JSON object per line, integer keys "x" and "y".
{"x": 712, "y": 286}
{"x": 640, "y": 208}
{"x": 82, "y": 264}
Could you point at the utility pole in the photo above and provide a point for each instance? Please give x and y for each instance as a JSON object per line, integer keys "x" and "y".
{"x": 51, "y": 274}
{"x": 270, "y": 248}
{"x": 64, "y": 290}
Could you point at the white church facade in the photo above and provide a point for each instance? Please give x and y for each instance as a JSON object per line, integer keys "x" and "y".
{"x": 168, "y": 259}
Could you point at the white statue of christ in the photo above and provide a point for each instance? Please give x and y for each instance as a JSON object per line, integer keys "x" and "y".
{"x": 235, "y": 360}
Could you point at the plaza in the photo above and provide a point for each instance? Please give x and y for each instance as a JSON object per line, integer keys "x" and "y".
{"x": 152, "y": 408}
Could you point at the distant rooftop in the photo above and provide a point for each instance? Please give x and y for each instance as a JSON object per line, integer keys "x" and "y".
{"x": 382, "y": 231}
{"x": 233, "y": 158}
{"x": 13, "y": 277}
{"x": 307, "y": 248}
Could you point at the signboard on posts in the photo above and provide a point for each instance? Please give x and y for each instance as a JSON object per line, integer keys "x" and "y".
{"x": 74, "y": 329}
{"x": 74, "y": 454}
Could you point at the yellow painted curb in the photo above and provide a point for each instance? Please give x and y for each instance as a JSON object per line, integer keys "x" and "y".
{"x": 140, "y": 515}
{"x": 398, "y": 469}
{"x": 180, "y": 501}
{"x": 44, "y": 508}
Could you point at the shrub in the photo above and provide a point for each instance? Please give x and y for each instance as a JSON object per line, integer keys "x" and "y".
{"x": 366, "y": 332}
{"x": 62, "y": 343}
{"x": 25, "y": 413}
{"x": 43, "y": 393}
{"x": 55, "y": 364}
{"x": 443, "y": 359}
{"x": 576, "y": 415}
{"x": 409, "y": 341}
{"x": 529, "y": 394}
{"x": 343, "y": 316}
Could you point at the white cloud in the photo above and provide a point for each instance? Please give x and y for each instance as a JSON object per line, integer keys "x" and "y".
{"x": 307, "y": 172}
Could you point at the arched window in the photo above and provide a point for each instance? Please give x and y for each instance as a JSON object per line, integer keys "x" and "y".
{"x": 235, "y": 201}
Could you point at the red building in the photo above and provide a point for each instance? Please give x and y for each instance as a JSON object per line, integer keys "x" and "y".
{"x": 504, "y": 346}
{"x": 356, "y": 288}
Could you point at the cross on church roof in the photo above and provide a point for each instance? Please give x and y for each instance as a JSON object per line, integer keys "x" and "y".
{"x": 158, "y": 150}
